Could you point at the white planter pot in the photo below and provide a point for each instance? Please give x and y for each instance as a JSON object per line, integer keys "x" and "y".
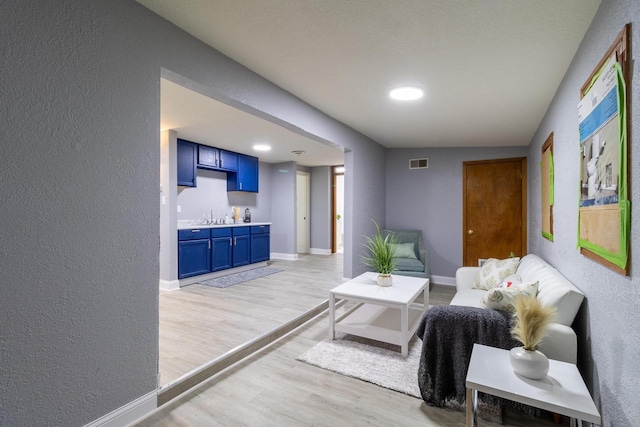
{"x": 384, "y": 280}
{"x": 529, "y": 364}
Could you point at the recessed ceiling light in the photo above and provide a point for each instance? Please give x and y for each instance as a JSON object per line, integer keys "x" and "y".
{"x": 262, "y": 147}
{"x": 406, "y": 93}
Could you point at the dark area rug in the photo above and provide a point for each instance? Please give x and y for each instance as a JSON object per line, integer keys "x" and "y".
{"x": 241, "y": 277}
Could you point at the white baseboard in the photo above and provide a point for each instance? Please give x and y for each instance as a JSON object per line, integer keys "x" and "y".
{"x": 169, "y": 285}
{"x": 443, "y": 280}
{"x": 129, "y": 413}
{"x": 317, "y": 251}
{"x": 286, "y": 257}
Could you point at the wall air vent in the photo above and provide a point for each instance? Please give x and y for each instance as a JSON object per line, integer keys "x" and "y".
{"x": 419, "y": 163}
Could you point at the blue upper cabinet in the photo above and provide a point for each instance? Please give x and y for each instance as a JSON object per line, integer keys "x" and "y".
{"x": 208, "y": 157}
{"x": 242, "y": 170}
{"x": 217, "y": 159}
{"x": 186, "y": 154}
{"x": 228, "y": 161}
{"x": 246, "y": 179}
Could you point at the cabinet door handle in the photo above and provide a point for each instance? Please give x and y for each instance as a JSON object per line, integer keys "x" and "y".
{"x": 234, "y": 241}
{"x": 195, "y": 231}
{"x": 209, "y": 244}
{"x": 241, "y": 186}
{"x": 230, "y": 242}
{"x": 220, "y": 162}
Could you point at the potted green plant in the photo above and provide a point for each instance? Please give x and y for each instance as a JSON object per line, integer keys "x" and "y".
{"x": 380, "y": 256}
{"x": 531, "y": 321}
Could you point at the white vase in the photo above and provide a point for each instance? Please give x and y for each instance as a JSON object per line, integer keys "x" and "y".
{"x": 529, "y": 364}
{"x": 384, "y": 279}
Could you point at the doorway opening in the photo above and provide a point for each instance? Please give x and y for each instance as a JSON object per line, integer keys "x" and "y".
{"x": 337, "y": 238}
{"x": 199, "y": 325}
{"x": 303, "y": 207}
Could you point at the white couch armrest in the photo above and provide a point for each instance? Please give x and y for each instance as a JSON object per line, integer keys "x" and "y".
{"x": 465, "y": 277}
{"x": 560, "y": 343}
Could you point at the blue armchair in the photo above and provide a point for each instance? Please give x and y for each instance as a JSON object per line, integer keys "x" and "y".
{"x": 406, "y": 264}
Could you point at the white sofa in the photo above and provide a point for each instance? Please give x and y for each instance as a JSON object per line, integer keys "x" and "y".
{"x": 553, "y": 289}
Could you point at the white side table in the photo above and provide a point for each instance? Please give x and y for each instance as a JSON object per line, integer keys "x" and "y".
{"x": 563, "y": 391}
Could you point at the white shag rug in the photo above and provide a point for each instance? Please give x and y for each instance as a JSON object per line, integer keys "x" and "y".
{"x": 371, "y": 361}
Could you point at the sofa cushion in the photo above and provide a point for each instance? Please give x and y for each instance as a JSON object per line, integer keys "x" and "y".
{"x": 553, "y": 288}
{"x": 469, "y": 298}
{"x": 404, "y": 250}
{"x": 494, "y": 271}
{"x": 502, "y": 298}
{"x": 408, "y": 264}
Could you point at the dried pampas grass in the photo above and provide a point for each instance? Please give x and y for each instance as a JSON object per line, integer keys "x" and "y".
{"x": 531, "y": 320}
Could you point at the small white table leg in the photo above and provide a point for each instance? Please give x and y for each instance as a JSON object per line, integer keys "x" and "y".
{"x": 404, "y": 325}
{"x": 332, "y": 316}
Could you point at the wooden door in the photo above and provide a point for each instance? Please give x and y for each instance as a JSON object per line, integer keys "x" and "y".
{"x": 494, "y": 209}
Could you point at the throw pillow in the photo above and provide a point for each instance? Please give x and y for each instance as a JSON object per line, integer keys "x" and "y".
{"x": 404, "y": 250}
{"x": 494, "y": 271}
{"x": 502, "y": 298}
{"x": 510, "y": 281}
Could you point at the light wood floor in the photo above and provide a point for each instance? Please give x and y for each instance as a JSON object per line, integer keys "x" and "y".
{"x": 271, "y": 388}
{"x": 198, "y": 323}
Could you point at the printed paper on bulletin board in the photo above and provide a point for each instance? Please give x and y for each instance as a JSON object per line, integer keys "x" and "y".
{"x": 604, "y": 211}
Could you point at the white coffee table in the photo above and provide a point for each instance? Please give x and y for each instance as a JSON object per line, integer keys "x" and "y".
{"x": 387, "y": 314}
{"x": 563, "y": 391}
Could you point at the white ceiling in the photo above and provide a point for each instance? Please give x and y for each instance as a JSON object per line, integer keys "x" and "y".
{"x": 489, "y": 67}
{"x": 204, "y": 120}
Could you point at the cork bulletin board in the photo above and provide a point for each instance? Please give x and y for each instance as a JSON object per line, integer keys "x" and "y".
{"x": 604, "y": 212}
{"x": 546, "y": 174}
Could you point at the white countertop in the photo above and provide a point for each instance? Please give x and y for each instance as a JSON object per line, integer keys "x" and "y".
{"x": 186, "y": 226}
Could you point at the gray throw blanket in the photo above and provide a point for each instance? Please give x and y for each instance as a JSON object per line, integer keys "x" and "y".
{"x": 448, "y": 333}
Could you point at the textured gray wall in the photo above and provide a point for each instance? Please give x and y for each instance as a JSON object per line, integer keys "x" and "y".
{"x": 80, "y": 159}
{"x": 211, "y": 194}
{"x": 431, "y": 199}
{"x": 321, "y": 207}
{"x": 364, "y": 201}
{"x": 283, "y": 208}
{"x": 168, "y": 215}
{"x": 608, "y": 322}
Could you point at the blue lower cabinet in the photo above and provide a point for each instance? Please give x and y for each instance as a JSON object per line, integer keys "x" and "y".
{"x": 194, "y": 257}
{"x": 202, "y": 251}
{"x": 260, "y": 243}
{"x": 221, "y": 249}
{"x": 241, "y": 246}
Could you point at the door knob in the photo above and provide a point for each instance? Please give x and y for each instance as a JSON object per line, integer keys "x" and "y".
{"x": 469, "y": 232}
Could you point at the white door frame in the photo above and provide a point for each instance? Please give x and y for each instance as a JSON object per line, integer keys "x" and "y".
{"x": 303, "y": 229}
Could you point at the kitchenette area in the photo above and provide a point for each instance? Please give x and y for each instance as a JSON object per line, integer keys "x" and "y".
{"x": 228, "y": 211}
{"x": 222, "y": 212}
